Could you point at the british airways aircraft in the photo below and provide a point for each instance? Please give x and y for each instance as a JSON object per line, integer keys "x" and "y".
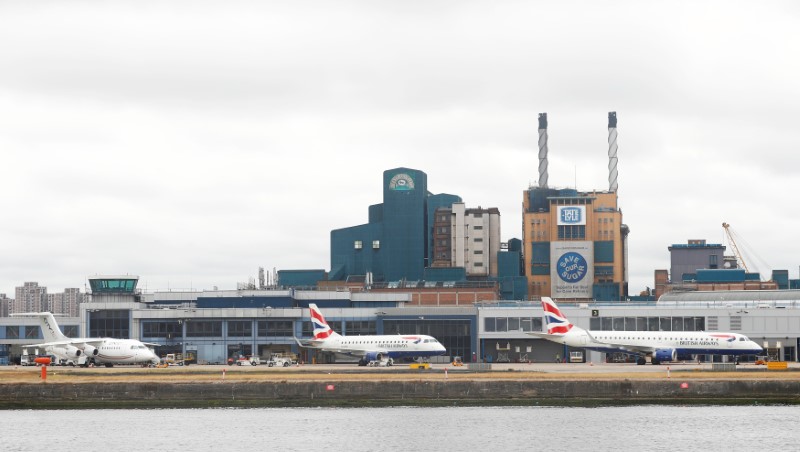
{"x": 372, "y": 350}
{"x": 103, "y": 350}
{"x": 659, "y": 346}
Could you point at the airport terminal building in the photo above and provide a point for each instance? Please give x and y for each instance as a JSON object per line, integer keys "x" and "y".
{"x": 213, "y": 326}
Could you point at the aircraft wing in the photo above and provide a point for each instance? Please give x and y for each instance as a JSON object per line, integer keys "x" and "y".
{"x": 344, "y": 351}
{"x": 319, "y": 345}
{"x": 547, "y": 336}
{"x": 628, "y": 348}
{"x": 308, "y": 343}
{"x": 93, "y": 342}
{"x": 639, "y": 349}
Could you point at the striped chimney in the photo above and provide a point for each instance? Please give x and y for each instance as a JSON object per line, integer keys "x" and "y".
{"x": 542, "y": 150}
{"x": 612, "y": 151}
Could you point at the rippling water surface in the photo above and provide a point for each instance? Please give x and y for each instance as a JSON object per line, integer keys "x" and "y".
{"x": 483, "y": 429}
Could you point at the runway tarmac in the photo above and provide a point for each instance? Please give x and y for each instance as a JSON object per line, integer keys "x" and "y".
{"x": 350, "y": 385}
{"x": 504, "y": 371}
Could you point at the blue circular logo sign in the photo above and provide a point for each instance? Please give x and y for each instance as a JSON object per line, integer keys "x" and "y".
{"x": 572, "y": 267}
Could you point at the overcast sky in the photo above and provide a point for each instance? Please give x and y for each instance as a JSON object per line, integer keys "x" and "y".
{"x": 191, "y": 142}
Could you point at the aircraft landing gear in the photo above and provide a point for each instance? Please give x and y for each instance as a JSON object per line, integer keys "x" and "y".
{"x": 640, "y": 361}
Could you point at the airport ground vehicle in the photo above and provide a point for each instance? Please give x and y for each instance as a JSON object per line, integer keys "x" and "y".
{"x": 38, "y": 360}
{"x": 248, "y": 361}
{"x": 383, "y": 362}
{"x": 457, "y": 361}
{"x": 26, "y": 360}
{"x": 176, "y": 359}
{"x": 281, "y": 360}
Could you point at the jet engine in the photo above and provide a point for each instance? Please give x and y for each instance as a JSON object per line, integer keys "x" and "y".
{"x": 90, "y": 350}
{"x": 72, "y": 351}
{"x": 666, "y": 354}
{"x": 373, "y": 356}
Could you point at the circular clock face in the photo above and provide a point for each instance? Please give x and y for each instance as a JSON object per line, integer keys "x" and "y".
{"x": 401, "y": 182}
{"x": 572, "y": 267}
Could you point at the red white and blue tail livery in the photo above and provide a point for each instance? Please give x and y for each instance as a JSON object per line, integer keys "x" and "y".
{"x": 322, "y": 330}
{"x": 659, "y": 346}
{"x": 371, "y": 350}
{"x": 557, "y": 323}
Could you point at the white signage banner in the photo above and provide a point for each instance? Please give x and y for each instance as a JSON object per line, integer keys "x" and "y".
{"x": 571, "y": 215}
{"x": 572, "y": 269}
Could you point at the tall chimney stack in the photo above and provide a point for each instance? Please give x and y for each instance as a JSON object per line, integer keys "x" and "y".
{"x": 542, "y": 150}
{"x": 612, "y": 151}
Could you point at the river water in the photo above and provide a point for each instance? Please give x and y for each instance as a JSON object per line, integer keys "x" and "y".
{"x": 472, "y": 429}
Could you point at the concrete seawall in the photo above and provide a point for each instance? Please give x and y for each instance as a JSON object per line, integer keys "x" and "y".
{"x": 387, "y": 393}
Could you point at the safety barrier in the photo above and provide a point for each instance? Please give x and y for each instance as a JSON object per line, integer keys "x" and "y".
{"x": 479, "y": 366}
{"x": 723, "y": 367}
{"x": 777, "y": 365}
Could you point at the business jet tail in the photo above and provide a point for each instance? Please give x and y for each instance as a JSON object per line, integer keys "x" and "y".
{"x": 50, "y": 329}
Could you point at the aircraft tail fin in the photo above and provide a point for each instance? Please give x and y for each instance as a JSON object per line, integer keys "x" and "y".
{"x": 51, "y": 332}
{"x": 557, "y": 322}
{"x": 322, "y": 330}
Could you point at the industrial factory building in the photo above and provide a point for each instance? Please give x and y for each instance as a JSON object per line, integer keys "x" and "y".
{"x": 575, "y": 242}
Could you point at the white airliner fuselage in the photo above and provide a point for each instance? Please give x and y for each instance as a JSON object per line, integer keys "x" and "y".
{"x": 370, "y": 348}
{"x": 657, "y": 345}
{"x": 104, "y": 350}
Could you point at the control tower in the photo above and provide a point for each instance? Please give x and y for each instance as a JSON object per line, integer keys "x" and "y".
{"x": 114, "y": 289}
{"x": 108, "y": 313}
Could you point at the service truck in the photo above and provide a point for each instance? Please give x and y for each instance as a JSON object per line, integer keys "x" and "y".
{"x": 281, "y": 360}
{"x": 248, "y": 361}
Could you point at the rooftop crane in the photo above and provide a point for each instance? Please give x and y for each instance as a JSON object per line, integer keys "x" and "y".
{"x": 736, "y": 252}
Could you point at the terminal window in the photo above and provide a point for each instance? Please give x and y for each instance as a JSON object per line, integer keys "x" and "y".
{"x": 31, "y": 332}
{"x": 204, "y": 328}
{"x": 240, "y": 328}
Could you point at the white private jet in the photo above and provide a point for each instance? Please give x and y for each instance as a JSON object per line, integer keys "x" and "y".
{"x": 85, "y": 351}
{"x": 659, "y": 346}
{"x": 373, "y": 350}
